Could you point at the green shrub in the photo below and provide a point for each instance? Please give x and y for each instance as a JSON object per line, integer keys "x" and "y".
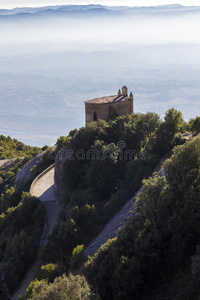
{"x": 195, "y": 126}
{"x": 65, "y": 287}
{"x": 29, "y": 290}
{"x": 47, "y": 272}
{"x": 77, "y": 256}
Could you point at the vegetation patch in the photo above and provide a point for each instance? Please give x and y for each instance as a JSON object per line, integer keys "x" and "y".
{"x": 159, "y": 240}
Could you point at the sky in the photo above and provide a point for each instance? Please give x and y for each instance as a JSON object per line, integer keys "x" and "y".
{"x": 50, "y": 64}
{"x": 9, "y": 4}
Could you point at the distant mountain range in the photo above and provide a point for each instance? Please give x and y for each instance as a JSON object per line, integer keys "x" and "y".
{"x": 93, "y": 10}
{"x": 54, "y": 58}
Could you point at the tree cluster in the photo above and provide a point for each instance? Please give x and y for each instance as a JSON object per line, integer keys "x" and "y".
{"x": 21, "y": 216}
{"x": 160, "y": 238}
{"x": 12, "y": 148}
{"x": 107, "y": 163}
{"x": 20, "y": 231}
{"x": 63, "y": 288}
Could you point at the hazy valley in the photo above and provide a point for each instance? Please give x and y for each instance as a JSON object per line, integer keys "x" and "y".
{"x": 52, "y": 59}
{"x": 128, "y": 196}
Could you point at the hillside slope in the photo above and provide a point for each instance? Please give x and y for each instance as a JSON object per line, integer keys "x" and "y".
{"x": 156, "y": 255}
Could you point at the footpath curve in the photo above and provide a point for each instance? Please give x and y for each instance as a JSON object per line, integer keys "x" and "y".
{"x": 110, "y": 231}
{"x": 43, "y": 188}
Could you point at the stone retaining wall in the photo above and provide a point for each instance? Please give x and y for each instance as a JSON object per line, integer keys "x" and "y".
{"x": 39, "y": 176}
{"x": 25, "y": 172}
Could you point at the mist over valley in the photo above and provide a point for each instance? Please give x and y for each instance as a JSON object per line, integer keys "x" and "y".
{"x": 54, "y": 58}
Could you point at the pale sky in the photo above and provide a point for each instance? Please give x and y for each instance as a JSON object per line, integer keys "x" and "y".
{"x": 9, "y": 4}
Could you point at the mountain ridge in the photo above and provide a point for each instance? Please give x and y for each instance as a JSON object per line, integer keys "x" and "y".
{"x": 90, "y": 9}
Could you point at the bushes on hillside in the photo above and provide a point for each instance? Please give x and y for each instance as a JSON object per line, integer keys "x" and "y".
{"x": 7, "y": 177}
{"x": 195, "y": 125}
{"x": 63, "y": 288}
{"x": 160, "y": 238}
{"x": 12, "y": 148}
{"x": 107, "y": 159}
{"x": 20, "y": 231}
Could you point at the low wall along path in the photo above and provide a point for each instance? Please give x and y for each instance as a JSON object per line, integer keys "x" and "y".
{"x": 43, "y": 188}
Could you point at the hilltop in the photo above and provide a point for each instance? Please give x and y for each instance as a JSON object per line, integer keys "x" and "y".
{"x": 12, "y": 148}
{"x": 97, "y": 169}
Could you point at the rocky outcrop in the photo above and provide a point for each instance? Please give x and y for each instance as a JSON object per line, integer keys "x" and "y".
{"x": 25, "y": 173}
{"x": 110, "y": 231}
{"x": 161, "y": 172}
{"x": 6, "y": 164}
{"x": 4, "y": 293}
{"x": 60, "y": 186}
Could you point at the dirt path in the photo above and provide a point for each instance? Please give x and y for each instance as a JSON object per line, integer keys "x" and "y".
{"x": 111, "y": 229}
{"x": 43, "y": 189}
{"x": 118, "y": 221}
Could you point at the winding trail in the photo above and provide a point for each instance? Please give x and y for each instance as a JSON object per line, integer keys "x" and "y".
{"x": 116, "y": 223}
{"x": 111, "y": 229}
{"x": 43, "y": 188}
